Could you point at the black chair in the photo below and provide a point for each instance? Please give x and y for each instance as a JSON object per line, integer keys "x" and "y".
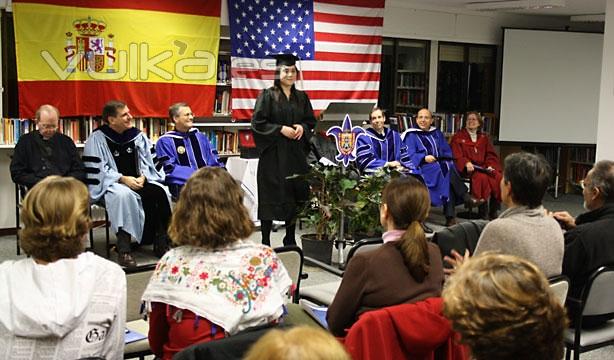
{"x": 20, "y": 193}
{"x": 99, "y": 203}
{"x": 292, "y": 258}
{"x": 559, "y": 285}
{"x": 595, "y": 300}
{"x": 323, "y": 294}
{"x": 460, "y": 237}
{"x": 230, "y": 348}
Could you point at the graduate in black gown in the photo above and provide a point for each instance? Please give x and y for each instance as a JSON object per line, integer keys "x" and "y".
{"x": 282, "y": 123}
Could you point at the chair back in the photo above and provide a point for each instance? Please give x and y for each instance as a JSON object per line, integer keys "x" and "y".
{"x": 364, "y": 245}
{"x": 599, "y": 292}
{"x": 136, "y": 282}
{"x": 292, "y": 258}
{"x": 460, "y": 237}
{"x": 559, "y": 286}
{"x": 228, "y": 348}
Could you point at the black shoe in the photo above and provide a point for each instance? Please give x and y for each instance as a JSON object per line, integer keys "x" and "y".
{"x": 426, "y": 229}
{"x": 126, "y": 260}
{"x": 450, "y": 221}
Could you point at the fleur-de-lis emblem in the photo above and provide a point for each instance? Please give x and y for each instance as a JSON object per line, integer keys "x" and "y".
{"x": 346, "y": 137}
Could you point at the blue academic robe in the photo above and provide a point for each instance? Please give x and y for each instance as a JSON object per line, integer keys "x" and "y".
{"x": 184, "y": 153}
{"x": 123, "y": 205}
{"x": 436, "y": 175}
{"x": 374, "y": 150}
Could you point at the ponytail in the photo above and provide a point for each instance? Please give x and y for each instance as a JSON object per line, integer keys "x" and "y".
{"x": 414, "y": 248}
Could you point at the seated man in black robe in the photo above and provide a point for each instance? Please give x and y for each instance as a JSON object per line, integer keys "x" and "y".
{"x": 45, "y": 152}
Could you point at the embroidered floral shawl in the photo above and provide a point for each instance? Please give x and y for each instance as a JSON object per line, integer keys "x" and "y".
{"x": 237, "y": 287}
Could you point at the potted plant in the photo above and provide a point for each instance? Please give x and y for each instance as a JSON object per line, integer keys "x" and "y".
{"x": 363, "y": 216}
{"x": 331, "y": 191}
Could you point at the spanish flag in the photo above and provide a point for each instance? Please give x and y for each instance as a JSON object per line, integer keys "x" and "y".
{"x": 78, "y": 54}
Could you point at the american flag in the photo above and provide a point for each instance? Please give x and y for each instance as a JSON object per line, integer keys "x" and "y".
{"x": 338, "y": 42}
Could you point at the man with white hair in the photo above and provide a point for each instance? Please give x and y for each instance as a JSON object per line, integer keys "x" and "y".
{"x": 45, "y": 152}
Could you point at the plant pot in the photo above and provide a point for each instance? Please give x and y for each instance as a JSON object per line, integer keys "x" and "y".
{"x": 320, "y": 250}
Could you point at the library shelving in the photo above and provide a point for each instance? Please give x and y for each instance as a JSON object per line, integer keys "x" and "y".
{"x": 404, "y": 75}
{"x": 448, "y": 123}
{"x": 581, "y": 160}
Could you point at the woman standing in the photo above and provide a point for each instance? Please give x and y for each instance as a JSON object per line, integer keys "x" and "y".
{"x": 282, "y": 124}
{"x": 476, "y": 158}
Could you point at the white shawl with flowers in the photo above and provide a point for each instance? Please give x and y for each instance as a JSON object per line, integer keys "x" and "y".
{"x": 237, "y": 287}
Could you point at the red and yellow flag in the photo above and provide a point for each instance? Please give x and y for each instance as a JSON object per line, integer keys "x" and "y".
{"x": 78, "y": 54}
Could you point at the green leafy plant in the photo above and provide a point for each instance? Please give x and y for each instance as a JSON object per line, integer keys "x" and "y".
{"x": 331, "y": 189}
{"x": 336, "y": 190}
{"x": 364, "y": 214}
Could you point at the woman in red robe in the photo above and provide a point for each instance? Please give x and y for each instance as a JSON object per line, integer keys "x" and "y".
{"x": 476, "y": 158}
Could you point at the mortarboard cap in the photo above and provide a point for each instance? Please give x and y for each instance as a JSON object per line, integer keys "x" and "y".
{"x": 285, "y": 59}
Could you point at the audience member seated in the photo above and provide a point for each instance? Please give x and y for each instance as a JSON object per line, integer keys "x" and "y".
{"x": 61, "y": 302}
{"x": 45, "y": 152}
{"x": 137, "y": 203}
{"x": 214, "y": 283}
{"x": 381, "y": 147}
{"x": 429, "y": 150}
{"x": 299, "y": 343}
{"x": 476, "y": 159}
{"x": 405, "y": 269}
{"x": 588, "y": 240}
{"x": 503, "y": 309}
{"x": 524, "y": 229}
{"x": 186, "y": 148}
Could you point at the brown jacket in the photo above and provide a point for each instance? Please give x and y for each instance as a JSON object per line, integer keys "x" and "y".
{"x": 377, "y": 279}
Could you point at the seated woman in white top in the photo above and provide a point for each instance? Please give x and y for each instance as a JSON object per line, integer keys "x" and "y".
{"x": 61, "y": 303}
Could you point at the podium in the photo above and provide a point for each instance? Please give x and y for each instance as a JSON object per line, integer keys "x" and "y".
{"x": 335, "y": 113}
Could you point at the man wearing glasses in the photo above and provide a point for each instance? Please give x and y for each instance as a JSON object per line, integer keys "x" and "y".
{"x": 45, "y": 152}
{"x": 588, "y": 240}
{"x": 185, "y": 149}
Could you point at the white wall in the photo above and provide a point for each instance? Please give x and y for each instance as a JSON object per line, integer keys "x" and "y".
{"x": 605, "y": 125}
{"x": 405, "y": 19}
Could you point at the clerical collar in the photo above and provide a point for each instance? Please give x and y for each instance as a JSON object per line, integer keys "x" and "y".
{"x": 116, "y": 137}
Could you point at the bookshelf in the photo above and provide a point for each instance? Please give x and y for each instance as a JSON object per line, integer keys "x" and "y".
{"x": 448, "y": 123}
{"x": 404, "y": 75}
{"x": 581, "y": 160}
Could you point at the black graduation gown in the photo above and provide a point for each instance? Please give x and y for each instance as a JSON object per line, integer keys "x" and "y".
{"x": 281, "y": 157}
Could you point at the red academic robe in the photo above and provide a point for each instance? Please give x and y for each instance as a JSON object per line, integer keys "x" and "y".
{"x": 481, "y": 153}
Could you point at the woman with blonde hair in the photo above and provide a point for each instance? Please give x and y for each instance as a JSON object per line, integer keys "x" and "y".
{"x": 299, "y": 343}
{"x": 61, "y": 302}
{"x": 503, "y": 308}
{"x": 214, "y": 283}
{"x": 405, "y": 269}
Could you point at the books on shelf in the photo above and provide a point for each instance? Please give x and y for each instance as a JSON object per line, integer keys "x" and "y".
{"x": 317, "y": 312}
{"x": 448, "y": 123}
{"x": 226, "y": 142}
{"x": 583, "y": 154}
{"x": 222, "y": 103}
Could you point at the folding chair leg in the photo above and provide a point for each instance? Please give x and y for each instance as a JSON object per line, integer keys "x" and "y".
{"x": 17, "y": 222}
{"x": 106, "y": 229}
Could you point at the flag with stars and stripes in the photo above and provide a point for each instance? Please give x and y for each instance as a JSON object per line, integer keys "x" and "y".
{"x": 338, "y": 42}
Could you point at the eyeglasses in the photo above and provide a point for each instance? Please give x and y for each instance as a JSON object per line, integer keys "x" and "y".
{"x": 47, "y": 126}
